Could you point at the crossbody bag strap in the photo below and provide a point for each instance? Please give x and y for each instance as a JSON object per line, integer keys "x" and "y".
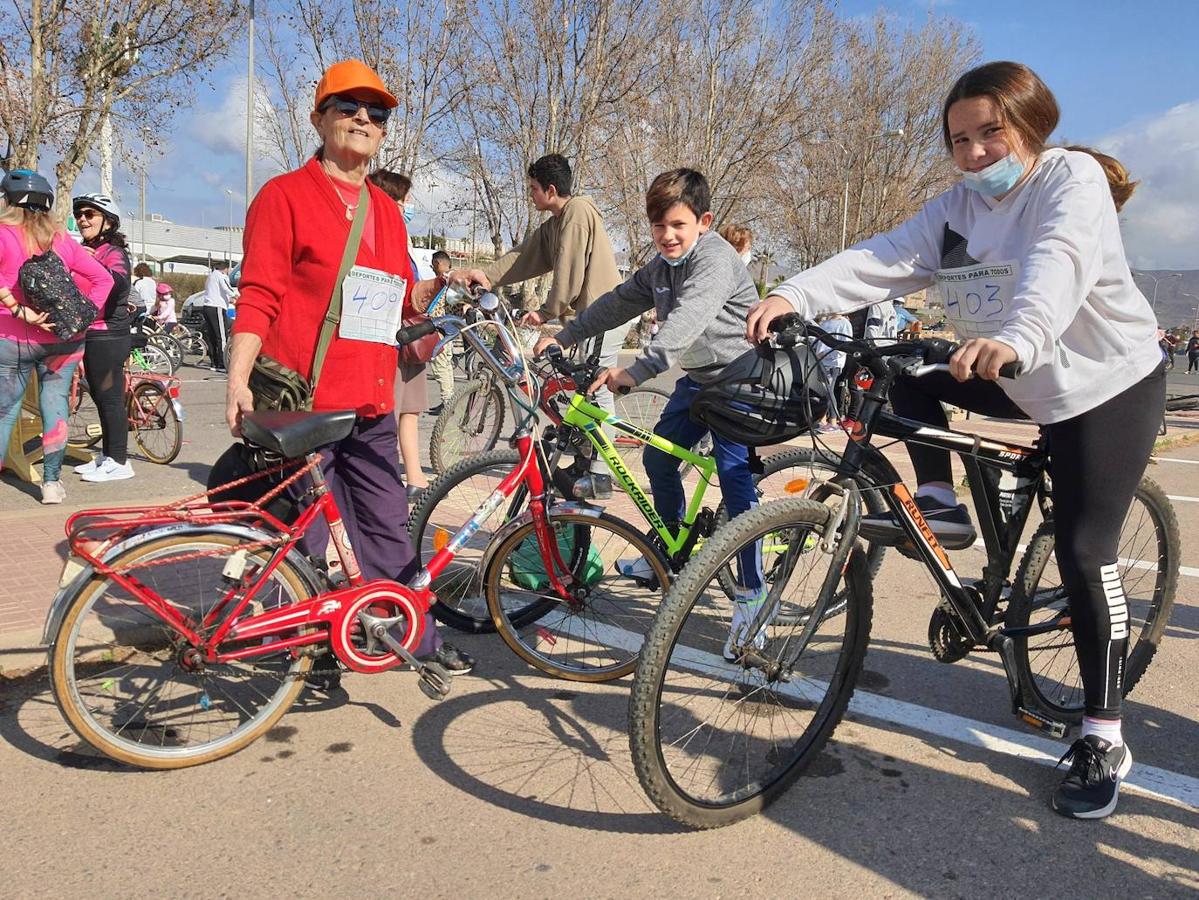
{"x": 333, "y": 313}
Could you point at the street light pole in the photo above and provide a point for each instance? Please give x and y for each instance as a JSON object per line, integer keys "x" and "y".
{"x": 229, "y": 242}
{"x": 1155, "y": 278}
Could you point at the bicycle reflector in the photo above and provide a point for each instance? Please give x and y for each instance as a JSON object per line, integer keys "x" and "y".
{"x": 796, "y": 486}
{"x": 441, "y": 539}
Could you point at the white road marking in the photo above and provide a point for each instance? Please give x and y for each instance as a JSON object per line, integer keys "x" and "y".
{"x": 1189, "y": 462}
{"x": 1182, "y": 499}
{"x": 1149, "y": 780}
{"x": 1188, "y": 571}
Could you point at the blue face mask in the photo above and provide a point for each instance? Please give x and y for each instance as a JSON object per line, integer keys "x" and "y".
{"x": 997, "y": 178}
{"x": 675, "y": 263}
{"x": 407, "y": 215}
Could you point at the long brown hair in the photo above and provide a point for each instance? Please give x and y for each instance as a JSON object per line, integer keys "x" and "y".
{"x": 1118, "y": 178}
{"x": 1024, "y": 101}
{"x": 37, "y": 228}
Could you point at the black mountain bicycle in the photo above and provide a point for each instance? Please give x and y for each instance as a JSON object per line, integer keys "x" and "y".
{"x": 714, "y": 741}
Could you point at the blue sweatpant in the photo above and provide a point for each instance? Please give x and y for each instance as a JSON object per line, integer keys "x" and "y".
{"x": 732, "y": 470}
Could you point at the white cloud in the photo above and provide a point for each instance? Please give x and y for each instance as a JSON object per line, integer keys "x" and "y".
{"x": 1161, "y": 221}
{"x": 223, "y": 129}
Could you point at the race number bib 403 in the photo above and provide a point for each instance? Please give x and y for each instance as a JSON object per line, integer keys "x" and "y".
{"x": 372, "y": 305}
{"x": 978, "y": 298}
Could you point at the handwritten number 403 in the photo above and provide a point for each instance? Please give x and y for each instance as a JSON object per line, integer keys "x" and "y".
{"x": 974, "y": 301}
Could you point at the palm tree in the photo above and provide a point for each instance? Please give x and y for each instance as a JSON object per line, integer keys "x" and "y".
{"x": 764, "y": 259}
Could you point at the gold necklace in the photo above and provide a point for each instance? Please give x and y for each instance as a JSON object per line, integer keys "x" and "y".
{"x": 350, "y": 210}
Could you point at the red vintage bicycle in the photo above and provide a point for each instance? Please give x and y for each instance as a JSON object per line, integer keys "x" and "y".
{"x": 182, "y": 633}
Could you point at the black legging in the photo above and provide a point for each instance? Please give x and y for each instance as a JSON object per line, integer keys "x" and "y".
{"x": 1192, "y": 362}
{"x": 104, "y": 356}
{"x": 214, "y": 334}
{"x": 1096, "y": 461}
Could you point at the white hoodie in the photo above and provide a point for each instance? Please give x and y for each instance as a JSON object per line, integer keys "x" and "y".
{"x": 1042, "y": 270}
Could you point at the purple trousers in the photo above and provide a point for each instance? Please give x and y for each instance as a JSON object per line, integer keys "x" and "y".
{"x": 363, "y": 472}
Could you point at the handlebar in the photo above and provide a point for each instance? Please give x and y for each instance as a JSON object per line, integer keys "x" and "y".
{"x": 915, "y": 358}
{"x": 583, "y": 374}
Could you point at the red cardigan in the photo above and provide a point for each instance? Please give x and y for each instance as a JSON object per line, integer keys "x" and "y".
{"x": 296, "y": 231}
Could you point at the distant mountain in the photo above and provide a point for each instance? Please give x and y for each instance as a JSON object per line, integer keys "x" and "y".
{"x": 1177, "y": 294}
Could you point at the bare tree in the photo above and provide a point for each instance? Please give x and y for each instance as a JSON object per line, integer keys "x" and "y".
{"x": 78, "y": 63}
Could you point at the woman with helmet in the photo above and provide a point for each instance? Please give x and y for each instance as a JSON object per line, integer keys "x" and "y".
{"x": 28, "y": 228}
{"x": 108, "y": 339}
{"x": 297, "y": 231}
{"x": 164, "y": 306}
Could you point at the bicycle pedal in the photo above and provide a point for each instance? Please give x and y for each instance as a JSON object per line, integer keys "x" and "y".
{"x": 1051, "y": 727}
{"x": 435, "y": 680}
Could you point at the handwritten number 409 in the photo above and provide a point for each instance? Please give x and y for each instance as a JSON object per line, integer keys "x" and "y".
{"x": 378, "y": 300}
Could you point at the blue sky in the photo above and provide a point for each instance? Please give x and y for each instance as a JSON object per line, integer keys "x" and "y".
{"x": 1126, "y": 75}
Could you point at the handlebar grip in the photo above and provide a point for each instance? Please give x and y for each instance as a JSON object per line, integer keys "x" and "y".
{"x": 623, "y": 389}
{"x": 1009, "y": 370}
{"x": 415, "y": 332}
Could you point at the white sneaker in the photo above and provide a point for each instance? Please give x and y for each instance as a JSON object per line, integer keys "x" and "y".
{"x": 88, "y": 467}
{"x": 745, "y": 608}
{"x": 635, "y": 568}
{"x": 110, "y": 471}
{"x": 53, "y": 492}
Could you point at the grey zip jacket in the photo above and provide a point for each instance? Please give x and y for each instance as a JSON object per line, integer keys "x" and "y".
{"x": 701, "y": 306}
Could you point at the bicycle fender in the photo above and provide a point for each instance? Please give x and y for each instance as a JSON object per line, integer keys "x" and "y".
{"x": 66, "y": 593}
{"x": 524, "y": 518}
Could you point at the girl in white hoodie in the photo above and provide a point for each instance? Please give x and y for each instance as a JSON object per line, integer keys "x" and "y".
{"x": 1025, "y": 252}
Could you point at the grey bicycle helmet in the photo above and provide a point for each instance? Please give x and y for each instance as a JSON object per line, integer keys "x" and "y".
{"x": 27, "y": 189}
{"x": 765, "y": 396}
{"x": 102, "y": 202}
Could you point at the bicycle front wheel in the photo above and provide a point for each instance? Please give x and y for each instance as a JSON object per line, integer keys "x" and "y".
{"x": 469, "y": 424}
{"x": 156, "y": 428}
{"x": 1148, "y": 555}
{"x": 125, "y": 680}
{"x": 150, "y": 359}
{"x": 171, "y": 347}
{"x": 597, "y": 634}
{"x": 729, "y": 705}
{"x": 443, "y": 508}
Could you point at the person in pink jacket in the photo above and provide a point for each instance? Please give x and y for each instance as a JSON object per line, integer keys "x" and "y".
{"x": 27, "y": 228}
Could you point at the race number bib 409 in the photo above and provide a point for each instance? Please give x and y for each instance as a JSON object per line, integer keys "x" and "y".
{"x": 372, "y": 305}
{"x": 978, "y": 298}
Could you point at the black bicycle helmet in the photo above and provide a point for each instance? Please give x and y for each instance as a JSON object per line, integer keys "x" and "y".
{"x": 765, "y": 396}
{"x": 27, "y": 189}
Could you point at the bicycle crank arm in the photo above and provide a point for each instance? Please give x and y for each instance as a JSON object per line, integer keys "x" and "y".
{"x": 434, "y": 679}
{"x": 1006, "y": 647}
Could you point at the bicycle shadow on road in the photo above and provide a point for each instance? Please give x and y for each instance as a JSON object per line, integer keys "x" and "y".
{"x": 551, "y": 750}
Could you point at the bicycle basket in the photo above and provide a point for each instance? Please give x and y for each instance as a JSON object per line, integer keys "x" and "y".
{"x": 527, "y": 571}
{"x": 765, "y": 396}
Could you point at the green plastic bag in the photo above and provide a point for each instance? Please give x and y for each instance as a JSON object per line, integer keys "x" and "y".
{"x": 527, "y": 570}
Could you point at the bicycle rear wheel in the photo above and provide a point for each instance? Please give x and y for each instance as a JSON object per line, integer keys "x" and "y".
{"x": 150, "y": 359}
{"x": 123, "y": 678}
{"x": 715, "y": 739}
{"x": 596, "y": 636}
{"x": 168, "y": 345}
{"x": 156, "y": 428}
{"x": 469, "y": 424}
{"x": 1148, "y": 559}
{"x": 83, "y": 420}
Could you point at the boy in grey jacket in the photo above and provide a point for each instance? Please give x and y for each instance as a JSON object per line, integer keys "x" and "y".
{"x": 701, "y": 291}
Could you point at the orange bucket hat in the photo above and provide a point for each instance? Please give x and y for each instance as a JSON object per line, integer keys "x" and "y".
{"x": 352, "y": 75}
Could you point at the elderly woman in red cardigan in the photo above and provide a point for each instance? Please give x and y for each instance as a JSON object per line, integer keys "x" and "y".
{"x": 296, "y": 234}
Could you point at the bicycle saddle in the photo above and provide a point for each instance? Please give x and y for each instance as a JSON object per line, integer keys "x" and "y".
{"x": 295, "y": 434}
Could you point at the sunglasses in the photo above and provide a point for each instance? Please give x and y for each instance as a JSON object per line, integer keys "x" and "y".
{"x": 85, "y": 214}
{"x": 348, "y": 106}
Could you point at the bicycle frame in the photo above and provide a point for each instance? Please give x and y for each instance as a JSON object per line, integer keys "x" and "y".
{"x": 587, "y": 417}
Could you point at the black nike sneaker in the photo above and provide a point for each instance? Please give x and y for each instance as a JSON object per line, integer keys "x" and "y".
{"x": 1092, "y": 787}
{"x": 951, "y": 525}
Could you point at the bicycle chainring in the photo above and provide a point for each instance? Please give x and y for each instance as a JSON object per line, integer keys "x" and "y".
{"x": 947, "y": 637}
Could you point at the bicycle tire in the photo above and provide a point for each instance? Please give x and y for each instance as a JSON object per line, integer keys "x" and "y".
{"x": 168, "y": 345}
{"x": 535, "y": 629}
{"x": 150, "y": 359}
{"x": 751, "y": 694}
{"x": 1047, "y": 664}
{"x": 444, "y": 506}
{"x": 469, "y": 424}
{"x": 156, "y": 428}
{"x": 134, "y": 642}
{"x": 84, "y": 430}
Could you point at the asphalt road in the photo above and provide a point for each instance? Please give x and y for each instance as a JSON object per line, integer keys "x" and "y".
{"x": 521, "y": 785}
